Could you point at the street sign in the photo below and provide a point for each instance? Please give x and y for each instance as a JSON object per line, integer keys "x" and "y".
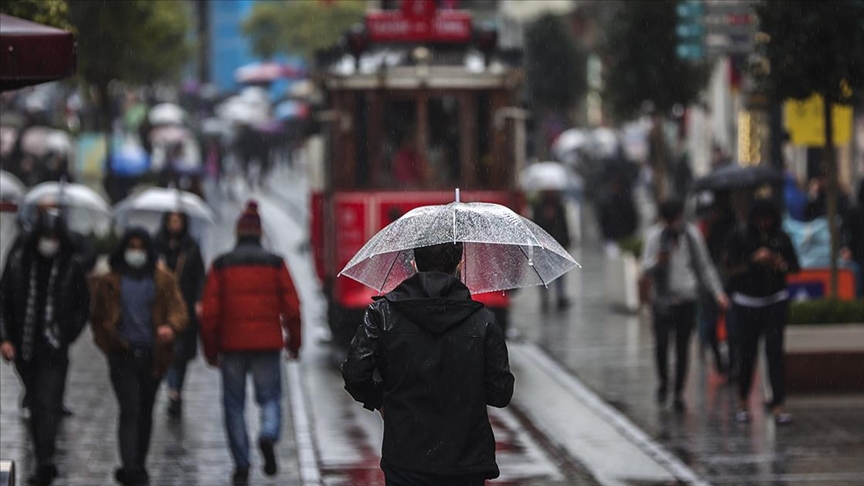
{"x": 805, "y": 121}
{"x": 419, "y": 21}
{"x": 690, "y": 29}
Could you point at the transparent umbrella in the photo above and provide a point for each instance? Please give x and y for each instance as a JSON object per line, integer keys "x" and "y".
{"x": 548, "y": 176}
{"x": 502, "y": 250}
{"x": 161, "y": 200}
{"x": 86, "y": 211}
{"x": 11, "y": 188}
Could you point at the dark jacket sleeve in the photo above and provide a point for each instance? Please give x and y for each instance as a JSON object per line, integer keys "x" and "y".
{"x": 499, "y": 379}
{"x": 789, "y": 255}
{"x": 84, "y": 251}
{"x": 6, "y": 301}
{"x": 80, "y": 305}
{"x": 198, "y": 272}
{"x": 359, "y": 367}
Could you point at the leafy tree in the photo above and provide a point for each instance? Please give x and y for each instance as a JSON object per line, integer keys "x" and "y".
{"x": 642, "y": 69}
{"x": 300, "y": 27}
{"x": 48, "y": 12}
{"x": 131, "y": 41}
{"x": 555, "y": 66}
{"x": 816, "y": 47}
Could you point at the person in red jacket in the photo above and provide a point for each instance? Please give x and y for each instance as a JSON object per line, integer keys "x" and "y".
{"x": 249, "y": 299}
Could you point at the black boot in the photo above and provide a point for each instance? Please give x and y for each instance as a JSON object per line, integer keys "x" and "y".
{"x": 44, "y": 476}
{"x": 175, "y": 408}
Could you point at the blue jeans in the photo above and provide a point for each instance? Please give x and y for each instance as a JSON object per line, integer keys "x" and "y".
{"x": 266, "y": 373}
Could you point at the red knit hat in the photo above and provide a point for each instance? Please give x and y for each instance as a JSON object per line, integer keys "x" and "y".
{"x": 249, "y": 223}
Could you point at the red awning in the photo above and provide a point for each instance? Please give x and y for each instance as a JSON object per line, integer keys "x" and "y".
{"x": 32, "y": 53}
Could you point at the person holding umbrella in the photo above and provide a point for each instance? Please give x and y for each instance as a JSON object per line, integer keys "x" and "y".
{"x": 680, "y": 268}
{"x": 442, "y": 359}
{"x": 43, "y": 309}
{"x": 761, "y": 256}
{"x": 136, "y": 312}
{"x": 178, "y": 252}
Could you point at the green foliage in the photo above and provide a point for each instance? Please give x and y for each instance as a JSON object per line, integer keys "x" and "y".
{"x": 555, "y": 66}
{"x": 640, "y": 62}
{"x": 135, "y": 41}
{"x": 49, "y": 12}
{"x": 827, "y": 311}
{"x": 300, "y": 27}
{"x": 814, "y": 47}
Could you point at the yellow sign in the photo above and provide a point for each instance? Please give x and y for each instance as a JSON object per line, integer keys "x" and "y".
{"x": 805, "y": 121}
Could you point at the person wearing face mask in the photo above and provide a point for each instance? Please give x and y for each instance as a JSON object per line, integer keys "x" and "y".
{"x": 137, "y": 310}
{"x": 179, "y": 253}
{"x": 761, "y": 256}
{"x": 677, "y": 262}
{"x": 44, "y": 305}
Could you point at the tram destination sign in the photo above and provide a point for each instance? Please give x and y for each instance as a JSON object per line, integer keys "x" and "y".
{"x": 419, "y": 21}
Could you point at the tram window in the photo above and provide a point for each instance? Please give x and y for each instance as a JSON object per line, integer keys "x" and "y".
{"x": 444, "y": 143}
{"x": 483, "y": 161}
{"x": 399, "y": 147}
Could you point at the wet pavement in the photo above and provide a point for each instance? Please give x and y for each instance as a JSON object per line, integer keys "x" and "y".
{"x": 583, "y": 412}
{"x": 612, "y": 353}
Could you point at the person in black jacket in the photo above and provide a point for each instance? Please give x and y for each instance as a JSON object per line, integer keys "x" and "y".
{"x": 179, "y": 253}
{"x": 45, "y": 304}
{"x": 853, "y": 236}
{"x": 550, "y": 214}
{"x": 760, "y": 257}
{"x": 442, "y": 359}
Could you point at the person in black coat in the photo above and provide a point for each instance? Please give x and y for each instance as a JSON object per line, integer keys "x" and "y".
{"x": 853, "y": 236}
{"x": 760, "y": 258}
{"x": 616, "y": 212}
{"x": 176, "y": 249}
{"x": 44, "y": 305}
{"x": 550, "y": 214}
{"x": 442, "y": 359}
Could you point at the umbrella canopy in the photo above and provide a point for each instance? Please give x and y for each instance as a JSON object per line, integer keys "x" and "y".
{"x": 86, "y": 211}
{"x": 166, "y": 114}
{"x": 734, "y": 176}
{"x": 8, "y": 136}
{"x": 502, "y": 250}
{"x": 162, "y": 200}
{"x": 290, "y": 110}
{"x": 604, "y": 143}
{"x": 11, "y": 188}
{"x": 266, "y": 72}
{"x": 546, "y": 176}
{"x": 129, "y": 160}
{"x": 568, "y": 143}
{"x": 33, "y": 53}
{"x": 39, "y": 140}
{"x": 170, "y": 135}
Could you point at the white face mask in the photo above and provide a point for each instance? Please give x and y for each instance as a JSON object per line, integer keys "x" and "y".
{"x": 135, "y": 258}
{"x": 48, "y": 247}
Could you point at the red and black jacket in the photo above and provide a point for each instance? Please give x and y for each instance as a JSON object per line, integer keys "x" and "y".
{"x": 249, "y": 298}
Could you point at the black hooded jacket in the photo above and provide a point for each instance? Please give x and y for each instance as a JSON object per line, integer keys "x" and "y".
{"x": 752, "y": 279}
{"x": 442, "y": 359}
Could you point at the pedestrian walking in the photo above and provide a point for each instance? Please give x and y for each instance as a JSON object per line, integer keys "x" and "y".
{"x": 137, "y": 310}
{"x": 717, "y": 223}
{"x": 677, "y": 263}
{"x": 44, "y": 305}
{"x": 616, "y": 213}
{"x": 177, "y": 251}
{"x": 550, "y": 214}
{"x": 441, "y": 359}
{"x": 249, "y": 300}
{"x": 761, "y": 256}
{"x": 853, "y": 236}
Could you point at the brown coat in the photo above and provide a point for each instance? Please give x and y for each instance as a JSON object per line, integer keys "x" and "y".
{"x": 105, "y": 313}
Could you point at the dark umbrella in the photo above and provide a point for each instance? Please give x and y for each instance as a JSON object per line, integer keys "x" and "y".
{"x": 733, "y": 176}
{"x": 33, "y": 53}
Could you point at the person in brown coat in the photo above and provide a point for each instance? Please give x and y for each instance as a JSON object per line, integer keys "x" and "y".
{"x": 136, "y": 311}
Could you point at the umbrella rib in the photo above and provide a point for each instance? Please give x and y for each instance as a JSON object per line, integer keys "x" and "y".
{"x": 534, "y": 267}
{"x": 392, "y": 264}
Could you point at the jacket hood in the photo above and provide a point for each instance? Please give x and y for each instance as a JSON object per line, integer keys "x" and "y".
{"x": 117, "y": 261}
{"x": 433, "y": 300}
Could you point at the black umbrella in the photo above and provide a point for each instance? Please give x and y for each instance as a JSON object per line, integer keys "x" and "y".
{"x": 733, "y": 176}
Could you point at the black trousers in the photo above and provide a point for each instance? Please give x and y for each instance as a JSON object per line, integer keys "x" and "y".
{"x": 680, "y": 320}
{"x": 135, "y": 386}
{"x": 752, "y": 324}
{"x": 44, "y": 378}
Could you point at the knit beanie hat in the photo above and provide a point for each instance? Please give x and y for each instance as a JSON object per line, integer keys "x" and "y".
{"x": 249, "y": 223}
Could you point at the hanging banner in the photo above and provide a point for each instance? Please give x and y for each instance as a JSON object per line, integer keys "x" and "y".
{"x": 805, "y": 121}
